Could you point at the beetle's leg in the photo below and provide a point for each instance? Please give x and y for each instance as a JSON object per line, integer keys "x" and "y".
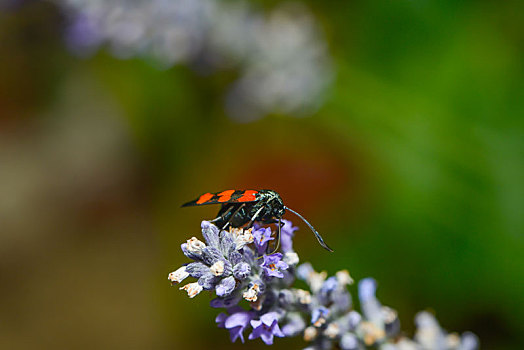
{"x": 223, "y": 215}
{"x": 255, "y": 216}
{"x": 278, "y": 236}
{"x": 233, "y": 215}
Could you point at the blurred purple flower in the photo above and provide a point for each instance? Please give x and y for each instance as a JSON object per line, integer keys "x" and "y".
{"x": 294, "y": 326}
{"x": 319, "y": 316}
{"x": 83, "y": 35}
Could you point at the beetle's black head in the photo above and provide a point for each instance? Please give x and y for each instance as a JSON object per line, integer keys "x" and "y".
{"x": 278, "y": 206}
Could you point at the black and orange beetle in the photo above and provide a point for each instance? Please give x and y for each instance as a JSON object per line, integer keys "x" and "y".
{"x": 244, "y": 207}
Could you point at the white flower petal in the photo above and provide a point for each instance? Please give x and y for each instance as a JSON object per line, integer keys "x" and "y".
{"x": 192, "y": 289}
{"x": 178, "y": 275}
{"x": 195, "y": 246}
{"x": 217, "y": 268}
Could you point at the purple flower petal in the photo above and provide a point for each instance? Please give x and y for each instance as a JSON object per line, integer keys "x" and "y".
{"x": 236, "y": 332}
{"x": 273, "y": 265}
{"x": 238, "y": 319}
{"x": 262, "y": 236}
{"x": 277, "y": 331}
{"x": 221, "y": 320}
{"x": 269, "y": 318}
{"x": 267, "y": 338}
{"x": 226, "y": 302}
{"x": 286, "y": 237}
{"x": 266, "y": 328}
{"x": 255, "y": 323}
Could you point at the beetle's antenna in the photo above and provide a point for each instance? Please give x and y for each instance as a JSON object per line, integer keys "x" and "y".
{"x": 317, "y": 235}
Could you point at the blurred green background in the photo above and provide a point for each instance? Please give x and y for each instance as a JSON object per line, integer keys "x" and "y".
{"x": 412, "y": 170}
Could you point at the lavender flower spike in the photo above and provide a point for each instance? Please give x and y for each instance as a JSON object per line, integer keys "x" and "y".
{"x": 232, "y": 264}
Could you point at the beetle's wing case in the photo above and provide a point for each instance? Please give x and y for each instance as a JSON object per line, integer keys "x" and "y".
{"x": 227, "y": 196}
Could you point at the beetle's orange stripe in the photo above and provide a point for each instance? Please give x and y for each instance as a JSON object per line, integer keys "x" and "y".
{"x": 204, "y": 198}
{"x": 225, "y": 195}
{"x": 248, "y": 196}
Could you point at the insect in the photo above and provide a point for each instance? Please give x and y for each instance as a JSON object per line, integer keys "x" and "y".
{"x": 244, "y": 207}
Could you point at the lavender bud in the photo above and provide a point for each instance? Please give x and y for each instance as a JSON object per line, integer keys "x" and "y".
{"x": 226, "y": 286}
{"x": 349, "y": 342}
{"x": 197, "y": 269}
{"x": 310, "y": 333}
{"x": 241, "y": 271}
{"x": 208, "y": 281}
{"x": 210, "y": 233}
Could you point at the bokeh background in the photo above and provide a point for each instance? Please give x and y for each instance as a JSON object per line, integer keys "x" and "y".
{"x": 409, "y": 161}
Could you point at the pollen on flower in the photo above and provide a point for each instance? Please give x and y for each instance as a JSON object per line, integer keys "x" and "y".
{"x": 236, "y": 231}
{"x": 310, "y": 333}
{"x": 371, "y": 333}
{"x": 195, "y": 246}
{"x": 178, "y": 275}
{"x": 217, "y": 268}
{"x": 192, "y": 289}
{"x": 252, "y": 293}
{"x": 257, "y": 305}
{"x": 332, "y": 330}
{"x": 316, "y": 279}
{"x": 291, "y": 258}
{"x": 304, "y": 297}
{"x": 318, "y": 323}
{"x": 453, "y": 341}
{"x": 389, "y": 314}
{"x": 244, "y": 239}
{"x": 344, "y": 278}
